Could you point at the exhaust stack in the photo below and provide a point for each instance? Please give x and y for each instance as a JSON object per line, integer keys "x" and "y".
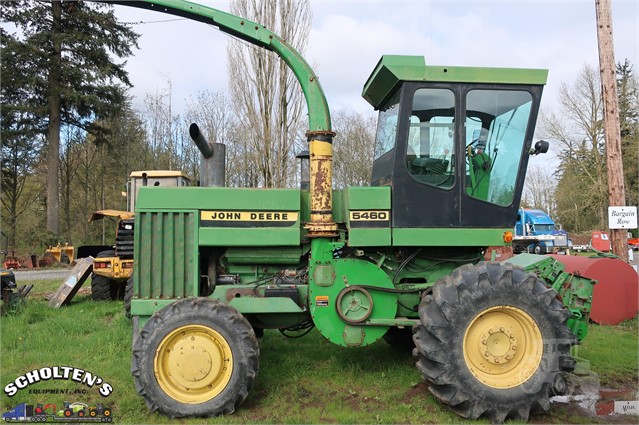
{"x": 213, "y": 162}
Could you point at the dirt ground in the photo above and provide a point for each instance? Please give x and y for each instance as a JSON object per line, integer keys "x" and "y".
{"x": 600, "y": 408}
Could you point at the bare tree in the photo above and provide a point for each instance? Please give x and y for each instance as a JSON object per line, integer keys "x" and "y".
{"x": 539, "y": 190}
{"x": 265, "y": 92}
{"x": 157, "y": 119}
{"x": 582, "y": 184}
{"x": 69, "y": 164}
{"x": 213, "y": 113}
{"x": 353, "y": 149}
{"x": 165, "y": 132}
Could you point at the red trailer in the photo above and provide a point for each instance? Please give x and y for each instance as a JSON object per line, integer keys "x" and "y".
{"x": 600, "y": 241}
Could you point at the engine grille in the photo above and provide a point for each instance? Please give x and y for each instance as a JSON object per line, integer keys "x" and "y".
{"x": 124, "y": 239}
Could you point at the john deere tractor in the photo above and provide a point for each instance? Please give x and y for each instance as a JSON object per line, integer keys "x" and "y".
{"x": 403, "y": 258}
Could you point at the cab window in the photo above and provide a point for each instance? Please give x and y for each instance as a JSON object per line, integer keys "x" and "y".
{"x": 430, "y": 148}
{"x": 495, "y": 127}
{"x": 387, "y": 127}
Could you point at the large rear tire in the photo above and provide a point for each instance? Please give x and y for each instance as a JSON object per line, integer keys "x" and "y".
{"x": 195, "y": 357}
{"x": 103, "y": 288}
{"x": 491, "y": 341}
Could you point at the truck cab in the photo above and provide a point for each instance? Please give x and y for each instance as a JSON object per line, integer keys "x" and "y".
{"x": 537, "y": 233}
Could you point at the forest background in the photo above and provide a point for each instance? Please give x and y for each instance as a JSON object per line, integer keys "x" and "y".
{"x": 71, "y": 134}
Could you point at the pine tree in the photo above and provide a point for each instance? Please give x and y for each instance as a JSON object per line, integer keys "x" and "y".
{"x": 65, "y": 57}
{"x": 628, "y": 92}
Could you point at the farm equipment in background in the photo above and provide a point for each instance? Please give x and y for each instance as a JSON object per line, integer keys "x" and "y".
{"x": 215, "y": 266}
{"x": 12, "y": 295}
{"x": 616, "y": 295}
{"x": 64, "y": 254}
{"x": 537, "y": 233}
{"x": 11, "y": 262}
{"x": 600, "y": 242}
{"x": 113, "y": 265}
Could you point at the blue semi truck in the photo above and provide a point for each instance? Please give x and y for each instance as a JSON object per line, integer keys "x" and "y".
{"x": 537, "y": 233}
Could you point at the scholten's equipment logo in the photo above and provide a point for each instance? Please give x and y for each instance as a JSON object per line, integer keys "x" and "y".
{"x": 80, "y": 376}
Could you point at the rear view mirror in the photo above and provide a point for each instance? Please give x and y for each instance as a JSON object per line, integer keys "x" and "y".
{"x": 540, "y": 147}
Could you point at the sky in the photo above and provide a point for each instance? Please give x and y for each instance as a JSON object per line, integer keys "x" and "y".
{"x": 348, "y": 38}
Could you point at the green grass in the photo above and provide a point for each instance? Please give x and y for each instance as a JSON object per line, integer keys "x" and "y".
{"x": 613, "y": 353}
{"x": 307, "y": 380}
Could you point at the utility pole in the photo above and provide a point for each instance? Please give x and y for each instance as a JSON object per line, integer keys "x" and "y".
{"x": 612, "y": 132}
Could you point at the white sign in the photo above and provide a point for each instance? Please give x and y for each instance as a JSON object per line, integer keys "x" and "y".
{"x": 627, "y": 407}
{"x": 622, "y": 217}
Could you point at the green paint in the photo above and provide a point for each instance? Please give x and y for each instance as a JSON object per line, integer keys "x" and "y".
{"x": 575, "y": 291}
{"x": 271, "y": 255}
{"x": 339, "y": 215}
{"x": 324, "y": 275}
{"x": 218, "y": 198}
{"x": 392, "y": 70}
{"x": 166, "y": 265}
{"x": 369, "y": 237}
{"x": 393, "y": 322}
{"x": 367, "y": 198}
{"x": 254, "y": 236}
{"x": 353, "y": 336}
{"x": 325, "y": 304}
{"x": 449, "y": 237}
{"x": 146, "y": 307}
{"x": 479, "y": 176}
{"x": 246, "y": 305}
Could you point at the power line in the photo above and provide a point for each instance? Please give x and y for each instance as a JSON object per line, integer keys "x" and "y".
{"x": 153, "y": 22}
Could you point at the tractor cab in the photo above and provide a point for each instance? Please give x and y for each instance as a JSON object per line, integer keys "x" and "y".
{"x": 452, "y": 142}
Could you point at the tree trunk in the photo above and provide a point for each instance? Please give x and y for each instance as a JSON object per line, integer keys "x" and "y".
{"x": 616, "y": 192}
{"x": 53, "y": 172}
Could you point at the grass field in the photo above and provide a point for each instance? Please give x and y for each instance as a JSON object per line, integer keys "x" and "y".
{"x": 307, "y": 380}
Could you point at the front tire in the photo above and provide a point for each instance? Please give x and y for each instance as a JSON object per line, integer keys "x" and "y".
{"x": 103, "y": 288}
{"x": 195, "y": 357}
{"x": 492, "y": 339}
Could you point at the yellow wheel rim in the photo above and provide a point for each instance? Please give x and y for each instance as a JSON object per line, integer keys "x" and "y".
{"x": 193, "y": 364}
{"x": 503, "y": 347}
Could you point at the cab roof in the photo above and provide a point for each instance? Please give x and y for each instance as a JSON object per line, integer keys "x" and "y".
{"x": 392, "y": 70}
{"x": 159, "y": 173}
